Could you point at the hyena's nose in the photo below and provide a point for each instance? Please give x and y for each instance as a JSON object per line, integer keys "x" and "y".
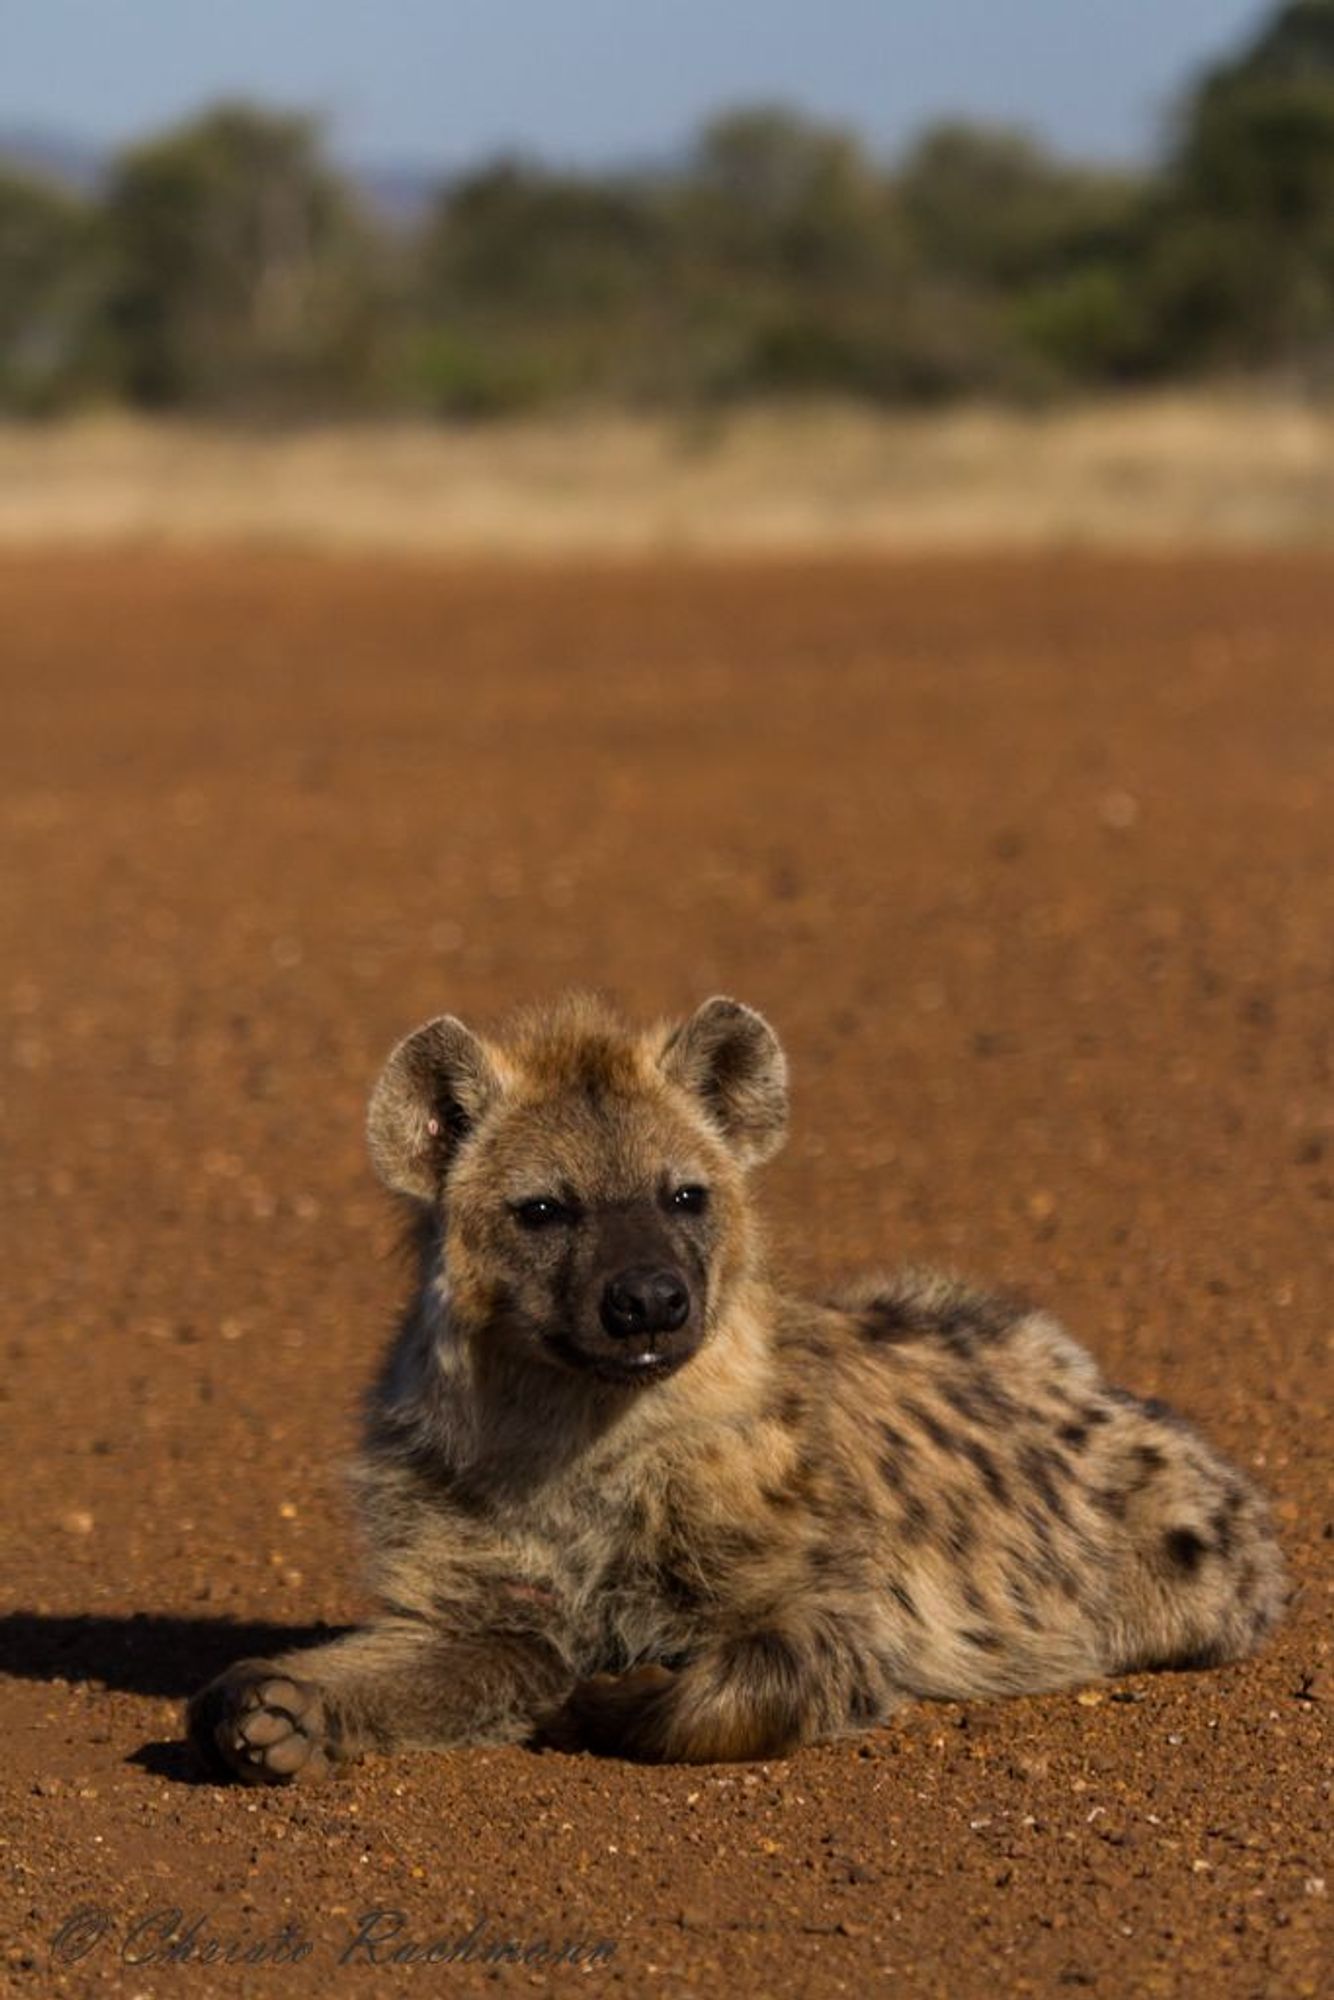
{"x": 642, "y": 1300}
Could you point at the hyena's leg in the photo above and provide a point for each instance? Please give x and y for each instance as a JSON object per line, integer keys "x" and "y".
{"x": 762, "y": 1695}
{"x": 1205, "y": 1581}
{"x": 400, "y": 1684}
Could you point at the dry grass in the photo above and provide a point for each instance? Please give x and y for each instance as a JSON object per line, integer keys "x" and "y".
{"x": 1144, "y": 473}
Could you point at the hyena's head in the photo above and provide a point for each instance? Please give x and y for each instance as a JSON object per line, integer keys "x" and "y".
{"x": 590, "y": 1181}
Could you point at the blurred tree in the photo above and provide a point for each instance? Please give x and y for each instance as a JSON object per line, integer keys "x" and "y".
{"x": 50, "y": 275}
{"x": 229, "y": 269}
{"x": 1242, "y": 271}
{"x": 1027, "y": 259}
{"x": 1297, "y": 42}
{"x": 766, "y": 182}
{"x": 768, "y": 162}
{"x": 533, "y": 285}
{"x": 790, "y": 256}
{"x": 989, "y": 205}
{"x": 243, "y": 277}
{"x": 515, "y": 235}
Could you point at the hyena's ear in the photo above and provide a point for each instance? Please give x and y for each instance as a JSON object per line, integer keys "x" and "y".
{"x": 435, "y": 1086}
{"x": 731, "y": 1059}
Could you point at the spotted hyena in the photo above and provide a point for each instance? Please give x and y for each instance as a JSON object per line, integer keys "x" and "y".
{"x": 624, "y": 1491}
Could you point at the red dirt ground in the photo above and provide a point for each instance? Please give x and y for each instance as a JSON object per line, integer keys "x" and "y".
{"x": 1030, "y": 861}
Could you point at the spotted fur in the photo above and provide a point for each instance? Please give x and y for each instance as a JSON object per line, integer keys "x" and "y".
{"x": 802, "y": 1513}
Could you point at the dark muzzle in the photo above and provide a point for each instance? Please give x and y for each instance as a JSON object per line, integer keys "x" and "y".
{"x": 643, "y": 1300}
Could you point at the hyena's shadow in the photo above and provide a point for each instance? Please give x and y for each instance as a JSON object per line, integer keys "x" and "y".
{"x": 149, "y": 1653}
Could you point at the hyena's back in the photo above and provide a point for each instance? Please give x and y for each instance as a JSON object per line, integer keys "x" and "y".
{"x": 1039, "y": 1527}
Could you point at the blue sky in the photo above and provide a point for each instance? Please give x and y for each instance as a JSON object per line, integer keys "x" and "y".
{"x": 440, "y": 82}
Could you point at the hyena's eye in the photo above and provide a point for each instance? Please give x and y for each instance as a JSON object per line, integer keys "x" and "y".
{"x": 542, "y": 1212}
{"x": 691, "y": 1200}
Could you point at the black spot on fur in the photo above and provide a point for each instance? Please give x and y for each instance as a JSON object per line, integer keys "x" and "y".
{"x": 897, "y": 1449}
{"x": 960, "y": 1398}
{"x": 915, "y": 1519}
{"x": 960, "y": 1320}
{"x": 885, "y": 1322}
{"x": 960, "y": 1536}
{"x": 988, "y": 1317}
{"x": 1038, "y": 1467}
{"x": 1149, "y": 1406}
{"x": 1220, "y": 1525}
{"x": 1075, "y": 1435}
{"x": 980, "y": 1401}
{"x": 940, "y": 1435}
{"x": 985, "y": 1641}
{"x": 903, "y": 1597}
{"x": 1184, "y": 1549}
{"x": 986, "y": 1465}
{"x": 891, "y": 1472}
{"x": 826, "y": 1561}
{"x": 992, "y": 1398}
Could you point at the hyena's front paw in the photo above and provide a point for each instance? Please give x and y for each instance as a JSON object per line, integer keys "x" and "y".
{"x": 608, "y": 1713}
{"x": 256, "y": 1723}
